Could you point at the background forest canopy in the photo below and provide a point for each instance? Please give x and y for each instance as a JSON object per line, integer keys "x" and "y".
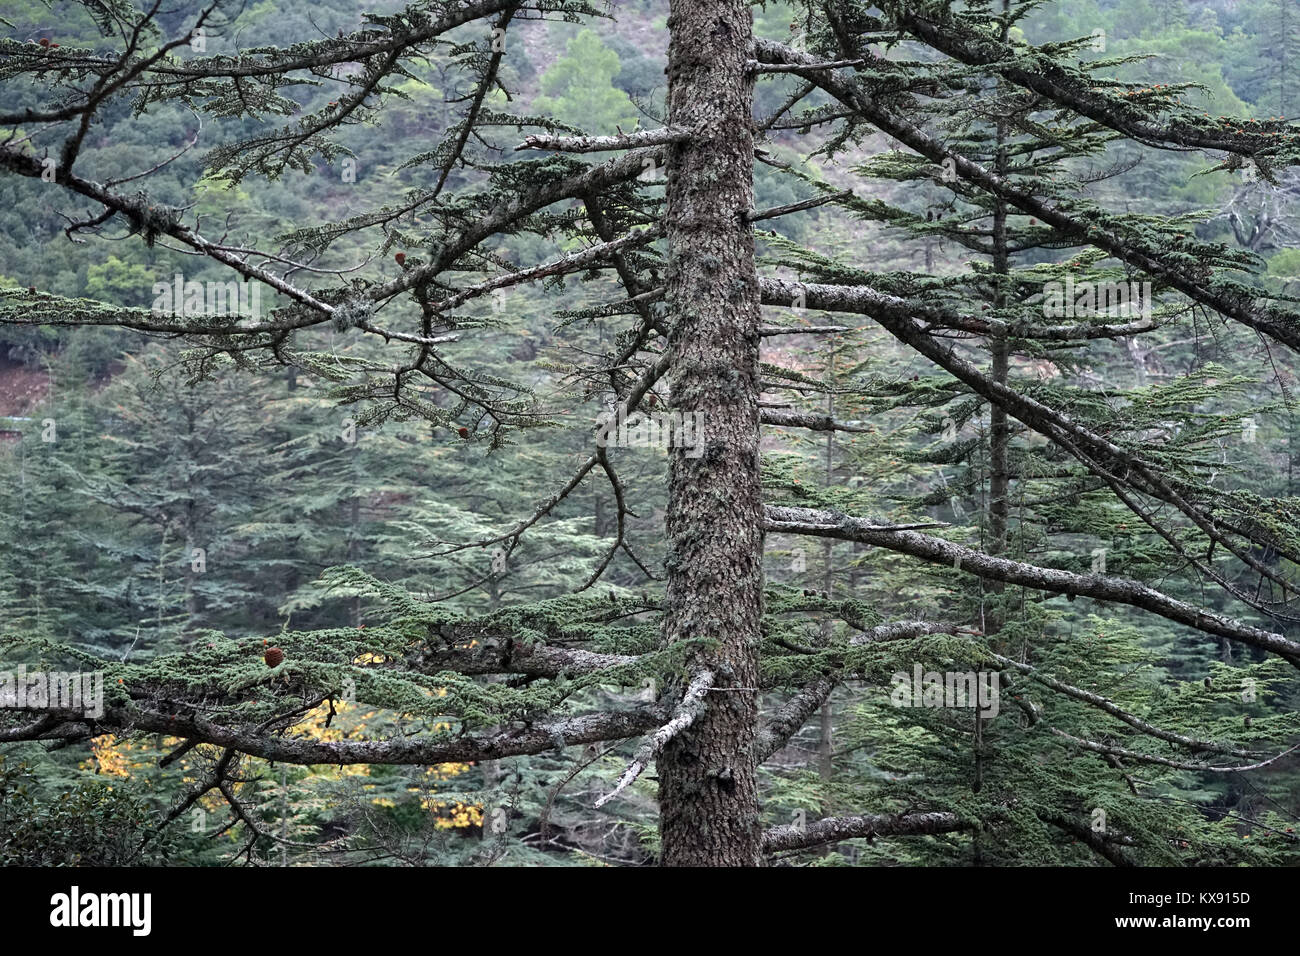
{"x": 308, "y": 312}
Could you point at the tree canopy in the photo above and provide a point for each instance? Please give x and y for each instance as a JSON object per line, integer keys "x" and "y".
{"x": 493, "y": 430}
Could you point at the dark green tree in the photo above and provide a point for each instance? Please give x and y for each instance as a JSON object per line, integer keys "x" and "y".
{"x": 1073, "y": 484}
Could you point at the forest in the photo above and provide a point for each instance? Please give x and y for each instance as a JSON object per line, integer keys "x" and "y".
{"x": 678, "y": 433}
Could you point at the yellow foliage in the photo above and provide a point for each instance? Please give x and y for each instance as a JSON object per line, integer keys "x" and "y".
{"x": 461, "y": 815}
{"x": 445, "y": 771}
{"x": 352, "y": 723}
{"x": 110, "y": 756}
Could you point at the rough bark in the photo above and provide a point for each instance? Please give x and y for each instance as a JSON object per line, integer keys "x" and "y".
{"x": 793, "y": 837}
{"x": 708, "y": 791}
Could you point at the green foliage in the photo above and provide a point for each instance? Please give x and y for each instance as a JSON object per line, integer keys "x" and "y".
{"x": 91, "y": 823}
{"x": 197, "y": 506}
{"x": 579, "y": 90}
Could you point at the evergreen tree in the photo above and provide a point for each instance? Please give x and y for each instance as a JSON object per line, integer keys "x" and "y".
{"x": 1065, "y": 469}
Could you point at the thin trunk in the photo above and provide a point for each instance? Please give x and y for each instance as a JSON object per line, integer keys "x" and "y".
{"x": 825, "y": 738}
{"x": 999, "y": 426}
{"x": 284, "y": 816}
{"x": 999, "y": 439}
{"x": 999, "y": 478}
{"x": 492, "y": 770}
{"x": 708, "y": 780}
{"x": 191, "y": 535}
{"x": 162, "y": 583}
{"x": 354, "y": 529}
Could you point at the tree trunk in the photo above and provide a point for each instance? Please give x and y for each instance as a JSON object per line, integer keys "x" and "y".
{"x": 826, "y": 725}
{"x": 708, "y": 788}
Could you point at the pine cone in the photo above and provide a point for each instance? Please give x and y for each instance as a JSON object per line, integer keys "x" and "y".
{"x": 273, "y": 656}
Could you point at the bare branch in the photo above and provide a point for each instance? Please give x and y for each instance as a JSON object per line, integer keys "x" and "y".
{"x": 595, "y": 144}
{"x": 792, "y": 836}
{"x": 1119, "y": 590}
{"x": 692, "y": 704}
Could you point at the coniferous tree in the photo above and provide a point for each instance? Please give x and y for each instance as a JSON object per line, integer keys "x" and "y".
{"x": 1073, "y": 481}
